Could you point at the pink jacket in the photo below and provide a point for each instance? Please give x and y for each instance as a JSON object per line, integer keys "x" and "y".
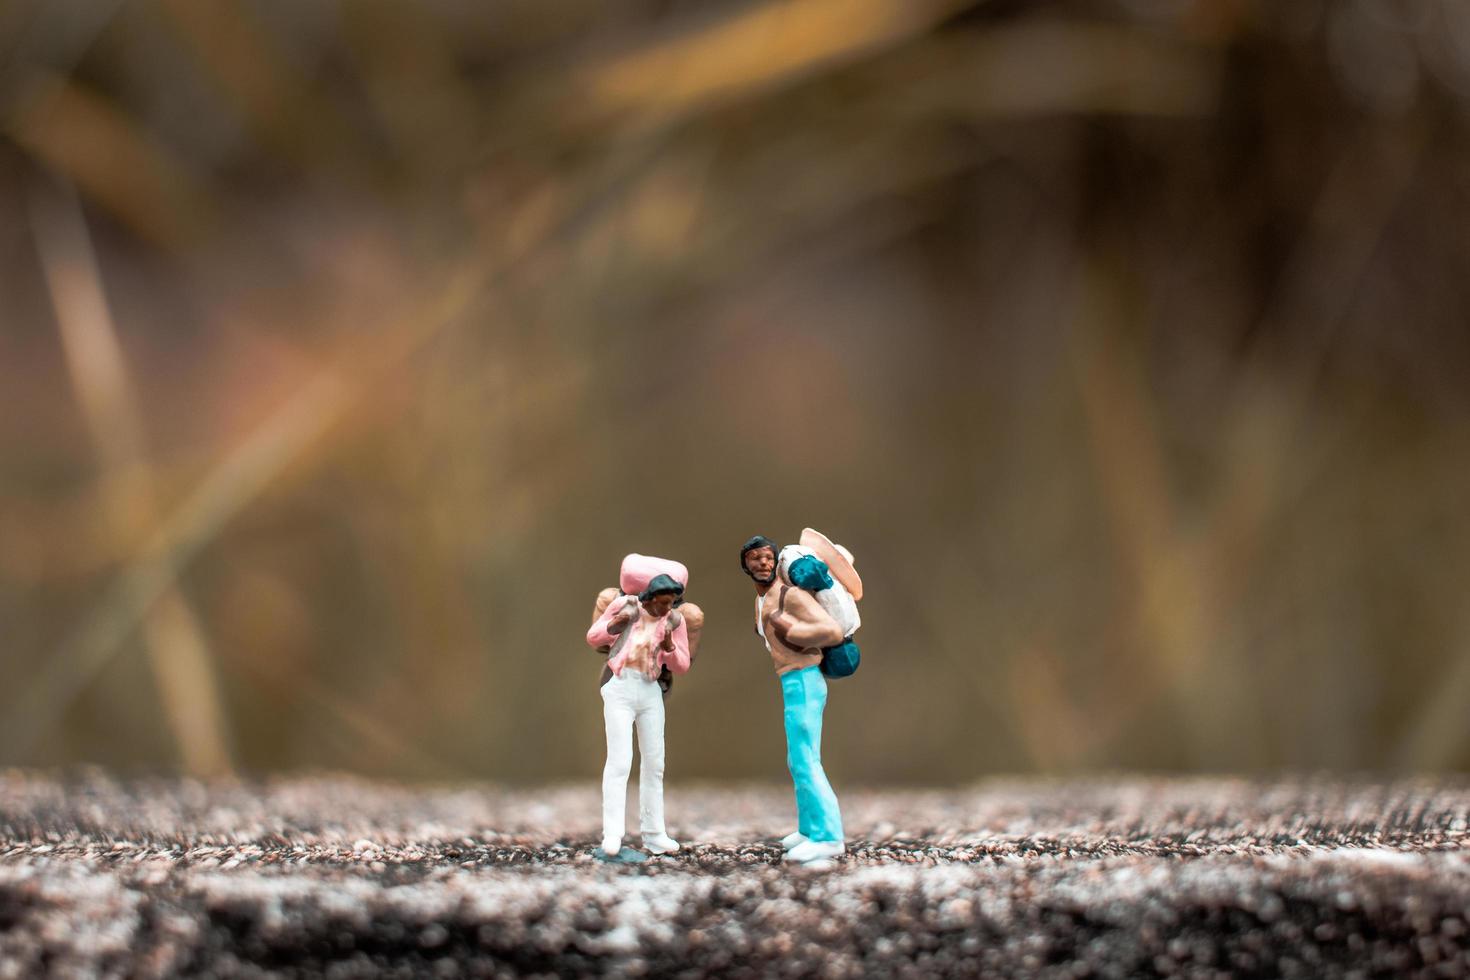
{"x": 677, "y": 659}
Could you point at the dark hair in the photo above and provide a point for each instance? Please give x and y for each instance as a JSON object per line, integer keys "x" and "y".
{"x": 759, "y": 541}
{"x": 661, "y": 585}
{"x": 677, "y": 602}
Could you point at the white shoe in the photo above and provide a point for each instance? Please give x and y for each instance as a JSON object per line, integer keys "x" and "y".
{"x": 792, "y": 839}
{"x": 611, "y": 846}
{"x": 660, "y": 844}
{"x": 816, "y": 850}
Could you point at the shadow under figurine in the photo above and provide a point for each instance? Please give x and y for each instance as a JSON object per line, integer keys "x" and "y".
{"x": 648, "y": 634}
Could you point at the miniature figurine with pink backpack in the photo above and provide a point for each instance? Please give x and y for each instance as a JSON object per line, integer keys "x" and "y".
{"x": 646, "y": 637}
{"x": 633, "y": 577}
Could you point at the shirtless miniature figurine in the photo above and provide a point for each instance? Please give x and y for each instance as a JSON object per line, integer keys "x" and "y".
{"x": 645, "y": 636}
{"x": 795, "y": 629}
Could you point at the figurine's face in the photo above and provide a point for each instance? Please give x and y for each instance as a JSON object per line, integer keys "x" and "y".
{"x": 761, "y": 564}
{"x": 660, "y": 604}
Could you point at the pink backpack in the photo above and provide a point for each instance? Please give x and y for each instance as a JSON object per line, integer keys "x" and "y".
{"x": 638, "y": 570}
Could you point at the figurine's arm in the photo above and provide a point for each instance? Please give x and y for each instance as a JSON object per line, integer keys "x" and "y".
{"x": 676, "y": 654}
{"x": 804, "y": 624}
{"x": 694, "y": 626}
{"x": 608, "y": 625}
{"x": 604, "y": 599}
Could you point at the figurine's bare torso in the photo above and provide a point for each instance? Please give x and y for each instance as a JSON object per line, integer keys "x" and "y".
{"x": 796, "y": 628}
{"x": 796, "y": 634}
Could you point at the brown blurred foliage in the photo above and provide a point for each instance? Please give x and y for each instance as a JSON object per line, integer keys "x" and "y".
{"x": 347, "y": 347}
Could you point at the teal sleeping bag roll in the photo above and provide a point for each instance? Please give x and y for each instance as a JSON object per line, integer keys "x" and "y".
{"x": 841, "y": 660}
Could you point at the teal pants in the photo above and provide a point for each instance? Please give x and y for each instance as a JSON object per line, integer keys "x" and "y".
{"x": 804, "y": 694}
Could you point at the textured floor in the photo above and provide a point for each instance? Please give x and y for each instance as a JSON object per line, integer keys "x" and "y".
{"x": 1118, "y": 877}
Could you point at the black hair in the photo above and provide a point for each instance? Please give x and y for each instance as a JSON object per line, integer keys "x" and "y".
{"x": 759, "y": 541}
{"x": 661, "y": 585}
{"x": 677, "y": 602}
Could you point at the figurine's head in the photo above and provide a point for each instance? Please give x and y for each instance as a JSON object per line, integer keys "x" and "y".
{"x": 661, "y": 595}
{"x": 758, "y": 559}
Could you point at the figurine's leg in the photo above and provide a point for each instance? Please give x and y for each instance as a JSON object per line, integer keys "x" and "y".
{"x": 617, "y": 715}
{"x": 793, "y": 698}
{"x": 828, "y": 822}
{"x": 805, "y": 694}
{"x": 651, "y": 764}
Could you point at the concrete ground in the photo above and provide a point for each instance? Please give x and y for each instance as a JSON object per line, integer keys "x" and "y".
{"x": 1116, "y": 877}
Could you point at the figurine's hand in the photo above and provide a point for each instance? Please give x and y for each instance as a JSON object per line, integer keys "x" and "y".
{"x": 618, "y": 621}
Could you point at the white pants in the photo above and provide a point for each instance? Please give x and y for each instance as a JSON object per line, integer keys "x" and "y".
{"x": 628, "y": 699}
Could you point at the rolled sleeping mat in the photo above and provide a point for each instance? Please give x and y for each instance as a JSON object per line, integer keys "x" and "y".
{"x": 838, "y": 560}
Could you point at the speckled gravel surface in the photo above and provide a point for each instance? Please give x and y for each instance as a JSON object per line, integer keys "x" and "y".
{"x": 1111, "y": 878}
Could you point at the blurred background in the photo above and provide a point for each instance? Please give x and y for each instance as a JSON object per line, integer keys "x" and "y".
{"x": 346, "y": 347}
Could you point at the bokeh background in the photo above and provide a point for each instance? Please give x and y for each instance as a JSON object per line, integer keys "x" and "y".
{"x": 347, "y": 347}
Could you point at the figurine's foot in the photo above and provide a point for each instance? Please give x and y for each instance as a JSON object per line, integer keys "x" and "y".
{"x": 660, "y": 843}
{"x": 793, "y": 839}
{"x": 816, "y": 850}
{"x": 625, "y": 855}
{"x": 611, "y": 846}
{"x": 819, "y": 864}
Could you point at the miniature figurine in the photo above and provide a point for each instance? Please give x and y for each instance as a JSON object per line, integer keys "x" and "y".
{"x": 795, "y": 628}
{"x": 645, "y": 636}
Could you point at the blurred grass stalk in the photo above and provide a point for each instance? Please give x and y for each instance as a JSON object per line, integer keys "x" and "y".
{"x": 172, "y": 636}
{"x": 144, "y": 592}
{"x": 86, "y": 139}
{"x": 755, "y": 47}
